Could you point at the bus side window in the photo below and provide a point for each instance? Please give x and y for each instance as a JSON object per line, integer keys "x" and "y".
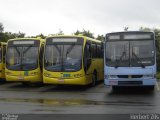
{"x": 41, "y": 56}
{"x": 95, "y": 51}
{"x": 102, "y": 50}
{"x": 4, "y": 54}
{"x": 98, "y": 51}
{"x": 87, "y": 56}
{"x": 94, "y": 54}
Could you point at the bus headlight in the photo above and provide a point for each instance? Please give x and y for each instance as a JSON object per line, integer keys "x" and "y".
{"x": 77, "y": 75}
{"x": 47, "y": 75}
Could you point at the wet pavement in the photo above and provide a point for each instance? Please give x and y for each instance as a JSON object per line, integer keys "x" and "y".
{"x": 38, "y": 99}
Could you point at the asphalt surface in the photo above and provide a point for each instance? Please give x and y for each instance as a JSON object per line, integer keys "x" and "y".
{"x": 50, "y": 99}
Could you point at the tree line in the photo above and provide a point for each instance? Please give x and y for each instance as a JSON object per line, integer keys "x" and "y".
{"x": 5, "y": 36}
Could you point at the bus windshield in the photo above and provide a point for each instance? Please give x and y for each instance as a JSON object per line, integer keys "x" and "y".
{"x": 22, "y": 57}
{"x": 63, "y": 57}
{"x": 135, "y": 53}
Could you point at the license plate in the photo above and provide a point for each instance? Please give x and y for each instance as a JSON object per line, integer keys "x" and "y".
{"x": 60, "y": 80}
{"x": 20, "y": 78}
{"x": 113, "y": 82}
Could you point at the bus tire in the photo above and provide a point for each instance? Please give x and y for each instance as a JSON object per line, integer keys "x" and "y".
{"x": 115, "y": 88}
{"x": 94, "y": 79}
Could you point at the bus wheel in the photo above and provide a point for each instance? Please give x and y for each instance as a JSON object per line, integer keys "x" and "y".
{"x": 115, "y": 88}
{"x": 94, "y": 79}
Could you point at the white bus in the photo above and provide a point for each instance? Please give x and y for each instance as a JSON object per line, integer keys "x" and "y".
{"x": 130, "y": 59}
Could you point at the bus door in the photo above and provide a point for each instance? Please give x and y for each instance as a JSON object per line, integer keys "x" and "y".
{"x": 87, "y": 59}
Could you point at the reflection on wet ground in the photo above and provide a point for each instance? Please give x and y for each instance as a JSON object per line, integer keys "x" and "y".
{"x": 50, "y": 88}
{"x": 72, "y": 102}
{"x": 50, "y": 98}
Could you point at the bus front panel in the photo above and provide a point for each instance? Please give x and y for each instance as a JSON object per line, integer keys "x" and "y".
{"x": 22, "y": 61}
{"x": 63, "y": 61}
{"x": 130, "y": 59}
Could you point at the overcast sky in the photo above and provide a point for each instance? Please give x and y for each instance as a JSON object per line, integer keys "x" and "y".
{"x": 99, "y": 16}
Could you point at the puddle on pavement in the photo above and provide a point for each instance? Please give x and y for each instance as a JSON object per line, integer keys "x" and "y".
{"x": 74, "y": 102}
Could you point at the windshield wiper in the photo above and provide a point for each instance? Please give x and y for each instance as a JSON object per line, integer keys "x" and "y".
{"x": 138, "y": 60}
{"x": 24, "y": 51}
{"x": 70, "y": 49}
{"x": 117, "y": 62}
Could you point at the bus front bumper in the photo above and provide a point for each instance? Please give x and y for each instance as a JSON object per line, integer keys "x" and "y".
{"x": 130, "y": 82}
{"x": 65, "y": 81}
{"x": 36, "y": 78}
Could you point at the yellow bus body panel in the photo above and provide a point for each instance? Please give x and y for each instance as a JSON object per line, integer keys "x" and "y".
{"x": 2, "y": 64}
{"x": 2, "y": 70}
{"x": 24, "y": 76}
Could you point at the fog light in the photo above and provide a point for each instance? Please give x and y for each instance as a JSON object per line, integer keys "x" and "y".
{"x": 34, "y": 73}
{"x": 8, "y": 73}
{"x": 77, "y": 75}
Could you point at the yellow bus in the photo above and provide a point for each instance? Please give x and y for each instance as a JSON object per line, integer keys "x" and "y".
{"x": 2, "y": 60}
{"x": 24, "y": 60}
{"x": 72, "y": 60}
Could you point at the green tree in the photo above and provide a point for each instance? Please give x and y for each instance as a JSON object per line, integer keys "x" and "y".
{"x": 5, "y": 36}
{"x": 20, "y": 35}
{"x": 145, "y": 29}
{"x": 100, "y": 37}
{"x": 1, "y": 28}
{"x": 85, "y": 33}
{"x": 1, "y": 33}
{"x": 41, "y": 35}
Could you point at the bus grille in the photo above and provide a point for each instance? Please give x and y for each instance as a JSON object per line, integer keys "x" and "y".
{"x": 129, "y": 82}
{"x": 130, "y": 76}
